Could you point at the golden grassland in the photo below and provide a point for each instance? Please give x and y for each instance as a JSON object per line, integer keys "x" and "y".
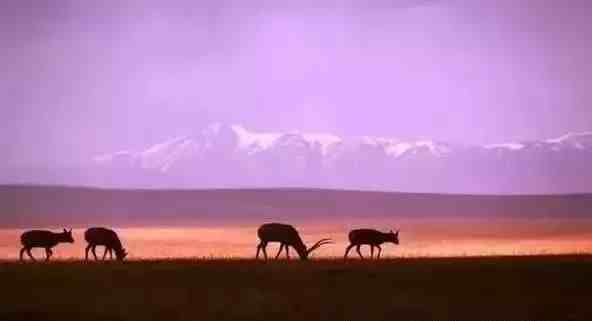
{"x": 464, "y": 288}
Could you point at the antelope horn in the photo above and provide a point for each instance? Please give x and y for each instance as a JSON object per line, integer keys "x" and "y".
{"x": 319, "y": 244}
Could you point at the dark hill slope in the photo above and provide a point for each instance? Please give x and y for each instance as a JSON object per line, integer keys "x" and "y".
{"x": 25, "y": 206}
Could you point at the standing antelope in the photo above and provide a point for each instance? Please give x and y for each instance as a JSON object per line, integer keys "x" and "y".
{"x": 287, "y": 236}
{"x": 370, "y": 237}
{"x": 96, "y": 236}
{"x": 43, "y": 239}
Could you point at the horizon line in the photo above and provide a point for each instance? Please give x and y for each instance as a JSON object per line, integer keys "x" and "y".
{"x": 280, "y": 189}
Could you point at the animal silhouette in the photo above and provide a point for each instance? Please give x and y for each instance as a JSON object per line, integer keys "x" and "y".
{"x": 287, "y": 236}
{"x": 43, "y": 239}
{"x": 370, "y": 237}
{"x": 100, "y": 236}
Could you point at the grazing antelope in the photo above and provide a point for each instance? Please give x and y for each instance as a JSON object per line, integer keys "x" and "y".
{"x": 287, "y": 236}
{"x": 370, "y": 237}
{"x": 43, "y": 239}
{"x": 99, "y": 236}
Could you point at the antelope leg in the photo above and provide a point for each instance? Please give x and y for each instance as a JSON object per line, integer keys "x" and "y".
{"x": 258, "y": 249}
{"x": 86, "y": 252}
{"x": 264, "y": 248}
{"x": 379, "y": 251}
{"x": 347, "y": 250}
{"x": 359, "y": 253}
{"x": 21, "y": 253}
{"x": 371, "y": 251}
{"x": 279, "y": 251}
{"x": 287, "y": 252}
{"x": 94, "y": 252}
{"x": 30, "y": 254}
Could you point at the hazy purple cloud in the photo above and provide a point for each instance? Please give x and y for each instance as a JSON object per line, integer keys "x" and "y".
{"x": 80, "y": 79}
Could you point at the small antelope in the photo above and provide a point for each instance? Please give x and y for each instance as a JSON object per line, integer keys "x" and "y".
{"x": 43, "y": 239}
{"x": 99, "y": 236}
{"x": 287, "y": 236}
{"x": 370, "y": 237}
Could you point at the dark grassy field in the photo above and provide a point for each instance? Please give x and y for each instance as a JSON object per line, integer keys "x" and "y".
{"x": 487, "y": 288}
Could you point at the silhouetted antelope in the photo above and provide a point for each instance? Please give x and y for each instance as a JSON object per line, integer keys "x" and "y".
{"x": 99, "y": 236}
{"x": 43, "y": 239}
{"x": 287, "y": 236}
{"x": 370, "y": 237}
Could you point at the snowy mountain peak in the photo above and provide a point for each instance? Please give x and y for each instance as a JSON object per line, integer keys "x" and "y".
{"x": 509, "y": 146}
{"x": 391, "y": 146}
{"x": 436, "y": 148}
{"x": 580, "y": 140}
{"x": 240, "y": 139}
{"x": 397, "y": 148}
{"x": 232, "y": 155}
{"x": 254, "y": 142}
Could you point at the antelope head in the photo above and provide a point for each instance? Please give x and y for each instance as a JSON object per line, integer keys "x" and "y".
{"x": 393, "y": 237}
{"x": 121, "y": 254}
{"x": 66, "y": 236}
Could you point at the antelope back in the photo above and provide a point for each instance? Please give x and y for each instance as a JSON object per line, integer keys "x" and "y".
{"x": 366, "y": 236}
{"x": 275, "y": 232}
{"x": 102, "y": 236}
{"x": 39, "y": 238}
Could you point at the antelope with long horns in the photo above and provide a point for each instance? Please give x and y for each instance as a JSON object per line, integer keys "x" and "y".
{"x": 370, "y": 237}
{"x": 287, "y": 236}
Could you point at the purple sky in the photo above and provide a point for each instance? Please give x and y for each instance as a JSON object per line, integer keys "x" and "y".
{"x": 81, "y": 78}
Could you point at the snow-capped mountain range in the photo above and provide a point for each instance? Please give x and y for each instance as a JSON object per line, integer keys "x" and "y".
{"x": 234, "y": 156}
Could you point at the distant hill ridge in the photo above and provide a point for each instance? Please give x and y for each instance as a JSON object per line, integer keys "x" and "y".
{"x": 29, "y": 205}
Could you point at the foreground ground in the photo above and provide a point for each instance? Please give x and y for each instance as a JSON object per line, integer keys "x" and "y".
{"x": 487, "y": 288}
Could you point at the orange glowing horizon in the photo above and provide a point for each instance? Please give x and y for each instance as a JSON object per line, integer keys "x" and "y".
{"x": 419, "y": 238}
